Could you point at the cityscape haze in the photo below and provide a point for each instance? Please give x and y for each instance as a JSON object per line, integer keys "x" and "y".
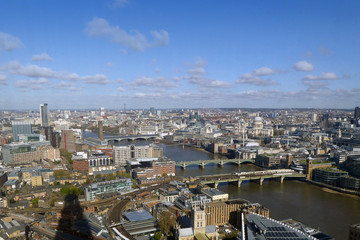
{"x": 188, "y": 120}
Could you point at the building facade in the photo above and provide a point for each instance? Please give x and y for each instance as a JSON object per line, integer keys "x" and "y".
{"x": 123, "y": 153}
{"x": 44, "y": 115}
{"x": 328, "y": 175}
{"x": 20, "y": 127}
{"x": 95, "y": 189}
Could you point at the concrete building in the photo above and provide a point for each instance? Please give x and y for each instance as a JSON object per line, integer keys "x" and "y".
{"x": 20, "y": 127}
{"x": 222, "y": 213}
{"x": 20, "y": 153}
{"x": 215, "y": 195}
{"x": 123, "y": 153}
{"x": 68, "y": 140}
{"x": 96, "y": 189}
{"x": 268, "y": 160}
{"x": 36, "y": 179}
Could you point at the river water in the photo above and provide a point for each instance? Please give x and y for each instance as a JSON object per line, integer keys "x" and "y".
{"x": 314, "y": 206}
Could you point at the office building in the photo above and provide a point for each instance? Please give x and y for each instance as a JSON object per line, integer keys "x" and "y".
{"x": 20, "y": 153}
{"x": 20, "y": 127}
{"x": 122, "y": 153}
{"x": 329, "y": 176}
{"x": 152, "y": 111}
{"x": 114, "y": 186}
{"x": 44, "y": 115}
{"x": 221, "y": 213}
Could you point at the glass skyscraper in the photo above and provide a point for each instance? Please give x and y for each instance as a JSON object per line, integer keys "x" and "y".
{"x": 44, "y": 115}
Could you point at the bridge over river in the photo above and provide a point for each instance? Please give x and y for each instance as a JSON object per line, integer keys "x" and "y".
{"x": 219, "y": 162}
{"x": 257, "y": 176}
{"x": 131, "y": 137}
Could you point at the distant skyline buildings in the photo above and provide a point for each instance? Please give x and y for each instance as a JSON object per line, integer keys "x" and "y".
{"x": 242, "y": 54}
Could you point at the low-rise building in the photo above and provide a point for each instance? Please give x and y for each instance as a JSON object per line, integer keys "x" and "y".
{"x": 119, "y": 186}
{"x": 215, "y": 194}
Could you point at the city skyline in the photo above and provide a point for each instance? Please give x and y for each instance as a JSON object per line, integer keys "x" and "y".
{"x": 235, "y": 54}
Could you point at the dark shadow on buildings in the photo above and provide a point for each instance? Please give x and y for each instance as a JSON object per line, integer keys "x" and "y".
{"x": 72, "y": 221}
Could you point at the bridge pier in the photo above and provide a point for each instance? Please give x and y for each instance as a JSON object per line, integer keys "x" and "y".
{"x": 260, "y": 181}
{"x": 239, "y": 183}
{"x": 221, "y": 163}
{"x": 216, "y": 184}
{"x": 282, "y": 179}
{"x": 184, "y": 166}
{"x": 202, "y": 164}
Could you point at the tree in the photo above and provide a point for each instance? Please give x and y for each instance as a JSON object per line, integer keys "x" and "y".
{"x": 61, "y": 174}
{"x": 166, "y": 222}
{"x": 157, "y": 235}
{"x": 35, "y": 202}
{"x": 70, "y": 190}
{"x": 67, "y": 155}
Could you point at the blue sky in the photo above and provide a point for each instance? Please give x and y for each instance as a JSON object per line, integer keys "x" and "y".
{"x": 179, "y": 54}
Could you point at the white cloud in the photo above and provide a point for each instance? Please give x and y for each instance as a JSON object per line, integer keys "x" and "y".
{"x": 157, "y": 82}
{"x": 157, "y": 70}
{"x": 324, "y": 50}
{"x": 315, "y": 84}
{"x": 99, "y": 27}
{"x": 304, "y": 66}
{"x": 3, "y": 79}
{"x": 119, "y": 3}
{"x": 41, "y": 57}
{"x": 9, "y": 42}
{"x": 249, "y": 78}
{"x": 33, "y": 84}
{"x": 219, "y": 84}
{"x": 197, "y": 72}
{"x": 323, "y": 76}
{"x": 35, "y": 71}
{"x": 263, "y": 71}
{"x": 66, "y": 86}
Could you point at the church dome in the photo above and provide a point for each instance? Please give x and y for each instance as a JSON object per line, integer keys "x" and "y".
{"x": 258, "y": 119}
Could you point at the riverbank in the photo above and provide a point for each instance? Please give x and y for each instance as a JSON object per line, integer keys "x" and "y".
{"x": 336, "y": 190}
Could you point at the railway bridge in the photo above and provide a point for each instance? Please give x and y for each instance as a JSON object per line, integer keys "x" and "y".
{"x": 258, "y": 176}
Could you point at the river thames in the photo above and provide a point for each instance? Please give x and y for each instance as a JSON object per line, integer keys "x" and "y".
{"x": 317, "y": 207}
{"x": 314, "y": 206}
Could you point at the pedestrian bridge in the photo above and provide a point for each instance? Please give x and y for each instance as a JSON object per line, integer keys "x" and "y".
{"x": 257, "y": 176}
{"x": 219, "y": 162}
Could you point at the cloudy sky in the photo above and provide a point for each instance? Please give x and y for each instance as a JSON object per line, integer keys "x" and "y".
{"x": 179, "y": 54}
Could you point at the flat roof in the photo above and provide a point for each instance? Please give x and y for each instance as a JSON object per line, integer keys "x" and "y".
{"x": 137, "y": 216}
